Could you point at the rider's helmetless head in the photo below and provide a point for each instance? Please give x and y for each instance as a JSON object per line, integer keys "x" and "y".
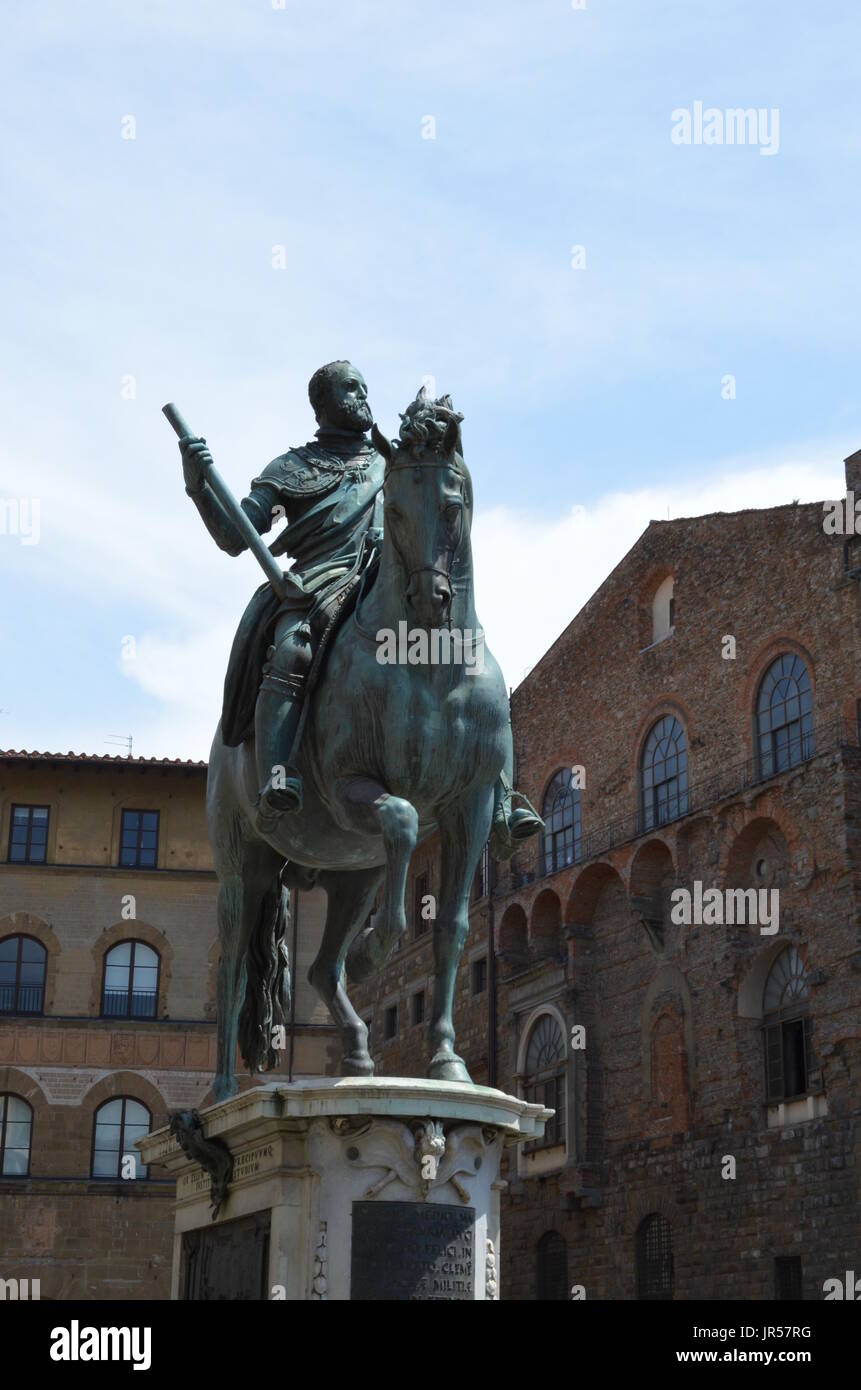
{"x": 339, "y": 398}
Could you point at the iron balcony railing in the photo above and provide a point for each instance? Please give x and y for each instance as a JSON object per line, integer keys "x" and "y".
{"x": 540, "y": 861}
{"x": 26, "y": 999}
{"x": 115, "y": 1003}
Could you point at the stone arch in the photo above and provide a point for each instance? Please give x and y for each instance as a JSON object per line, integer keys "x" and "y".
{"x": 588, "y": 887}
{"x": 19, "y": 1083}
{"x": 650, "y": 882}
{"x": 132, "y": 930}
{"x": 513, "y": 938}
{"x": 545, "y": 923}
{"x": 758, "y": 855}
{"x": 28, "y": 924}
{"x": 668, "y": 991}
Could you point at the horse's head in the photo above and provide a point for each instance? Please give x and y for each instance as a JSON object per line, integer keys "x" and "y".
{"x": 427, "y": 503}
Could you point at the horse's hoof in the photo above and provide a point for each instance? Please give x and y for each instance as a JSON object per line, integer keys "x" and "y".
{"x": 225, "y": 1087}
{"x": 447, "y": 1066}
{"x": 357, "y": 1064}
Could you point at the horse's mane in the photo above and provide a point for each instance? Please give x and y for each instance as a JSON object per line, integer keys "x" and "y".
{"x": 426, "y": 425}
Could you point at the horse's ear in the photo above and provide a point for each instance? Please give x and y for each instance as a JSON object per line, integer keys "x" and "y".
{"x": 381, "y": 444}
{"x": 422, "y": 394}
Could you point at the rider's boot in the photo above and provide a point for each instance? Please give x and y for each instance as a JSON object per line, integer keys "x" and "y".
{"x": 510, "y": 827}
{"x": 276, "y": 720}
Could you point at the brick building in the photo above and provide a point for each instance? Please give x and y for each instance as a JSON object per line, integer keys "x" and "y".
{"x": 695, "y": 727}
{"x": 108, "y": 960}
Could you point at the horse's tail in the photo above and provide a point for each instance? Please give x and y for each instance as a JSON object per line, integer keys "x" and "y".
{"x": 267, "y": 990}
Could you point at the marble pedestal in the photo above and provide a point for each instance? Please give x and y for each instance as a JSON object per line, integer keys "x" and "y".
{"x": 352, "y": 1188}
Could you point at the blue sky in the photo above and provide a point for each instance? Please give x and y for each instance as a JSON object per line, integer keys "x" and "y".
{"x": 592, "y": 397}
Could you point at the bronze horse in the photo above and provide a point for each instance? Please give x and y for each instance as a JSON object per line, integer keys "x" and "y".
{"x": 390, "y": 754}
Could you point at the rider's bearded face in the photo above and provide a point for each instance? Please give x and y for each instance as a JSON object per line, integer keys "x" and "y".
{"x": 347, "y": 407}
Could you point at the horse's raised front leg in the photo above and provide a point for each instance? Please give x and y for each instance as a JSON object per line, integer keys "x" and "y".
{"x": 463, "y": 832}
{"x": 350, "y": 899}
{"x": 364, "y": 805}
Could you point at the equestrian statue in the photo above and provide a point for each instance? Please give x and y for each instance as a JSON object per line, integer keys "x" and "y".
{"x": 330, "y": 764}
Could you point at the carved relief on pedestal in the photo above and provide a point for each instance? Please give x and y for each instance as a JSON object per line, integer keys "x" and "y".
{"x": 420, "y": 1154}
{"x": 320, "y": 1281}
{"x": 491, "y": 1284}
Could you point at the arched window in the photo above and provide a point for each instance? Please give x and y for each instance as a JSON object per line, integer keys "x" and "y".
{"x": 16, "y": 1128}
{"x": 784, "y": 716}
{"x": 551, "y": 1267}
{"x": 654, "y": 1257}
{"x": 130, "y": 988}
{"x": 664, "y": 773}
{"x": 117, "y": 1124}
{"x": 22, "y": 975}
{"x": 663, "y": 610}
{"x": 544, "y": 1081}
{"x": 788, "y": 1028}
{"x": 560, "y": 842}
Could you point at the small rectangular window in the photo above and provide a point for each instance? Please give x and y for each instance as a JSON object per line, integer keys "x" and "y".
{"x": 420, "y": 892}
{"x": 478, "y": 974}
{"x": 390, "y": 1022}
{"x": 787, "y": 1277}
{"x": 139, "y": 840}
{"x": 28, "y": 835}
{"x": 418, "y": 1007}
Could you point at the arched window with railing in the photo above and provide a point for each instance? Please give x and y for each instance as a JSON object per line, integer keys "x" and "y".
{"x": 23, "y": 960}
{"x": 130, "y": 983}
{"x": 784, "y": 716}
{"x": 664, "y": 773}
{"x": 561, "y": 842}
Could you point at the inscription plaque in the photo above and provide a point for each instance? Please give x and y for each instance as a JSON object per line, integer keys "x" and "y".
{"x": 412, "y": 1251}
{"x": 230, "y": 1261}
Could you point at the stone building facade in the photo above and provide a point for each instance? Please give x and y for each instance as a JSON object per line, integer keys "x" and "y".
{"x": 696, "y": 727}
{"x": 108, "y": 961}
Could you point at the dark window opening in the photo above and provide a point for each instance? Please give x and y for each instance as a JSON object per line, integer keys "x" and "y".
{"x": 561, "y": 840}
{"x": 784, "y": 716}
{"x": 551, "y": 1267}
{"x": 28, "y": 835}
{"x": 390, "y": 1022}
{"x": 545, "y": 1079}
{"x": 139, "y": 840}
{"x": 478, "y": 974}
{"x": 664, "y": 774}
{"x": 16, "y": 1126}
{"x": 787, "y": 1278}
{"x": 418, "y": 1007}
{"x": 655, "y": 1273}
{"x": 23, "y": 962}
{"x": 116, "y": 1126}
{"x": 130, "y": 983}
